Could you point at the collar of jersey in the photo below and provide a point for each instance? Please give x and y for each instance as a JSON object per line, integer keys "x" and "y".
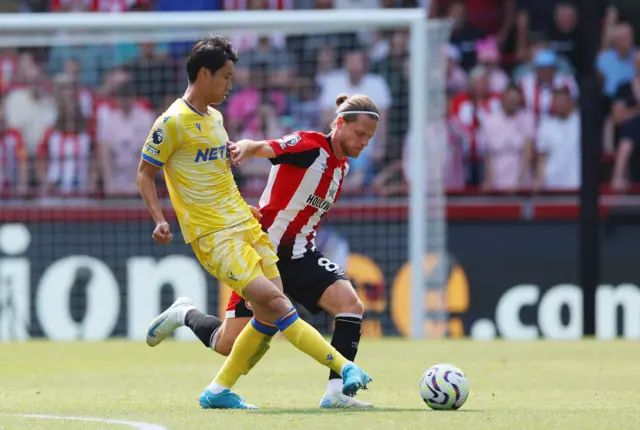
{"x": 328, "y": 137}
{"x": 192, "y": 108}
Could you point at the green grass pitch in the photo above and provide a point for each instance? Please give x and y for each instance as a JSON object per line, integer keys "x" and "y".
{"x": 514, "y": 385}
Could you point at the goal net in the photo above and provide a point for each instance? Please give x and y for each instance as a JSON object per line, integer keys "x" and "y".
{"x": 79, "y": 95}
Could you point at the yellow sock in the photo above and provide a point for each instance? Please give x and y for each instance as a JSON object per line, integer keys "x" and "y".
{"x": 250, "y": 346}
{"x": 308, "y": 340}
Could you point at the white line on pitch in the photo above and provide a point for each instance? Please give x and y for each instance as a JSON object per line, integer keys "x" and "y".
{"x": 133, "y": 424}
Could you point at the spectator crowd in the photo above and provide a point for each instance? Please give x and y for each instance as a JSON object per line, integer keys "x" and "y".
{"x": 73, "y": 117}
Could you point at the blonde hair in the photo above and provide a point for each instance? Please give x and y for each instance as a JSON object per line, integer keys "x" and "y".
{"x": 350, "y": 106}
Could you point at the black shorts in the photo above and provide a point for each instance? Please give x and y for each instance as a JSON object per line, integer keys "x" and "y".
{"x": 304, "y": 280}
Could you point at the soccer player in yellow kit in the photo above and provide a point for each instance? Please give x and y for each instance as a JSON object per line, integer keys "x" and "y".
{"x": 189, "y": 142}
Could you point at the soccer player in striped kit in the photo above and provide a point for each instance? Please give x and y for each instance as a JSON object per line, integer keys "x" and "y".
{"x": 306, "y": 179}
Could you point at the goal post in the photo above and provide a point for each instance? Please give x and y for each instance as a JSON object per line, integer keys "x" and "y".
{"x": 424, "y": 155}
{"x": 268, "y": 20}
{"x": 418, "y": 100}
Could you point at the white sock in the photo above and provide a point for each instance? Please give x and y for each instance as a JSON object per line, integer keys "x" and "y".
{"x": 215, "y": 388}
{"x": 334, "y": 386}
{"x": 182, "y": 313}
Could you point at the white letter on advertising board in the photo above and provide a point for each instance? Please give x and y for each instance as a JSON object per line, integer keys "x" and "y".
{"x": 146, "y": 276}
{"x": 15, "y": 292}
{"x": 608, "y": 299}
{"x": 15, "y": 287}
{"x": 550, "y": 312}
{"x": 54, "y": 292}
{"x": 508, "y": 312}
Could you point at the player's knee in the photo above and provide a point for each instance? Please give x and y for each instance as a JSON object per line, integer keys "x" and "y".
{"x": 278, "y": 303}
{"x": 341, "y": 298}
{"x": 358, "y": 306}
{"x": 267, "y": 300}
{"x": 351, "y": 303}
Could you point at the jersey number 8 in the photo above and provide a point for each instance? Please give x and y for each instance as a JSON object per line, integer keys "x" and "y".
{"x": 329, "y": 265}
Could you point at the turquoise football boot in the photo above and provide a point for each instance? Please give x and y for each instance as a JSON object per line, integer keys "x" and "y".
{"x": 354, "y": 379}
{"x": 223, "y": 400}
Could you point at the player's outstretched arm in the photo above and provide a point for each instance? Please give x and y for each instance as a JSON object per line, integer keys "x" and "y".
{"x": 146, "y": 184}
{"x": 246, "y": 148}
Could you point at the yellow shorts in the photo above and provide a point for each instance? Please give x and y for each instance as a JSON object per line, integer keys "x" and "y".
{"x": 237, "y": 255}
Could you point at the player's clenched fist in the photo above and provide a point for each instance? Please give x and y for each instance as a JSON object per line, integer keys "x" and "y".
{"x": 162, "y": 234}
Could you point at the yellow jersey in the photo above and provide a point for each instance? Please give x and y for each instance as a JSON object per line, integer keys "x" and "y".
{"x": 191, "y": 147}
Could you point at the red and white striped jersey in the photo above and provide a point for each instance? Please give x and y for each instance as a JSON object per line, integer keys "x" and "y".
{"x": 465, "y": 118}
{"x": 12, "y": 154}
{"x": 68, "y": 160}
{"x": 538, "y": 97}
{"x": 305, "y": 180}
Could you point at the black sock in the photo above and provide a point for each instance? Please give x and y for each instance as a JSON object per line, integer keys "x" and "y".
{"x": 202, "y": 325}
{"x": 346, "y": 337}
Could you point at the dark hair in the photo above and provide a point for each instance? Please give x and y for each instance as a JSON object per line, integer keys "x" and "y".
{"x": 211, "y": 53}
{"x": 356, "y": 103}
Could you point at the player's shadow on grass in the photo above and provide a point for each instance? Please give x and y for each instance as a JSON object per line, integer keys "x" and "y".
{"x": 357, "y": 411}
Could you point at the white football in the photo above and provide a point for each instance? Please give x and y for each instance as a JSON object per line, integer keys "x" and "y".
{"x": 444, "y": 387}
